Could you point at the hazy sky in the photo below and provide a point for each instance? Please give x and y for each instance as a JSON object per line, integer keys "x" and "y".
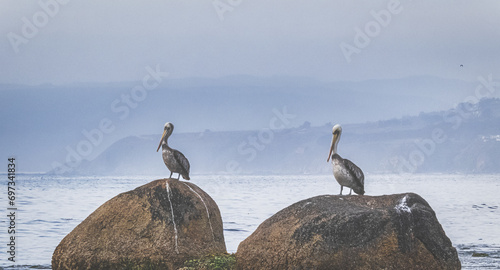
{"x": 66, "y": 41}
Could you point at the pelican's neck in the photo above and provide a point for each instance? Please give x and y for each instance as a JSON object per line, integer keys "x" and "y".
{"x": 164, "y": 144}
{"x": 335, "y": 143}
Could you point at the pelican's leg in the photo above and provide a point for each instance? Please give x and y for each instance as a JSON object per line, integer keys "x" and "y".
{"x": 341, "y": 187}
{"x": 170, "y": 175}
{"x": 350, "y": 192}
{"x": 178, "y": 176}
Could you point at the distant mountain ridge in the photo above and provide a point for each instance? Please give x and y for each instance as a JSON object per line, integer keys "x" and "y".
{"x": 465, "y": 139}
{"x": 44, "y": 124}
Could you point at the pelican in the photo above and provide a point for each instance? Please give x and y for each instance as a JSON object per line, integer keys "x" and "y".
{"x": 346, "y": 173}
{"x": 176, "y": 162}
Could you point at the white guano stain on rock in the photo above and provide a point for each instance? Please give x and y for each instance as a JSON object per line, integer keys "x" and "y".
{"x": 173, "y": 219}
{"x": 403, "y": 206}
{"x": 208, "y": 213}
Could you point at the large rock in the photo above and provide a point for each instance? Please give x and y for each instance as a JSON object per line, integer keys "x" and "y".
{"x": 351, "y": 232}
{"x": 156, "y": 226}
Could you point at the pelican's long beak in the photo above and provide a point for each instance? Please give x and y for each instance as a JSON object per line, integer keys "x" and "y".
{"x": 334, "y": 138}
{"x": 164, "y": 132}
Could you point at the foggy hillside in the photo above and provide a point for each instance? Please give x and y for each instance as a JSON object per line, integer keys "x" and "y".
{"x": 464, "y": 139}
{"x": 43, "y": 124}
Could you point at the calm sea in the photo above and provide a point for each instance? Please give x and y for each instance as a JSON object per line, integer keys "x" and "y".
{"x": 48, "y": 208}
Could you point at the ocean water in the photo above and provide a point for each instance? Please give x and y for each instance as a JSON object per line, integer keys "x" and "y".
{"x": 467, "y": 207}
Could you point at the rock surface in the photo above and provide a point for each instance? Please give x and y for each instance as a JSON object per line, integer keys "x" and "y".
{"x": 159, "y": 225}
{"x": 351, "y": 232}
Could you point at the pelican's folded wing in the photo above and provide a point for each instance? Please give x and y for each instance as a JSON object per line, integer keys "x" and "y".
{"x": 182, "y": 160}
{"x": 355, "y": 170}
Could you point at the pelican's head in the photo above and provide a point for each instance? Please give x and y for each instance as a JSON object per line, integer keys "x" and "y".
{"x": 169, "y": 126}
{"x": 167, "y": 131}
{"x": 337, "y": 129}
{"x": 336, "y": 132}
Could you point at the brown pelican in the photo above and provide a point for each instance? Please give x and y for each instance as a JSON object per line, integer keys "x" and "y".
{"x": 345, "y": 172}
{"x": 176, "y": 162}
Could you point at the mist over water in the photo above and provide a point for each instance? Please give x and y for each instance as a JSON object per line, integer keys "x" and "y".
{"x": 467, "y": 206}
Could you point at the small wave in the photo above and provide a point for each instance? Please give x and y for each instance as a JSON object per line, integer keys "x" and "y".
{"x": 485, "y": 256}
{"x": 235, "y": 230}
{"x": 26, "y": 267}
{"x": 484, "y": 206}
{"x": 40, "y": 221}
